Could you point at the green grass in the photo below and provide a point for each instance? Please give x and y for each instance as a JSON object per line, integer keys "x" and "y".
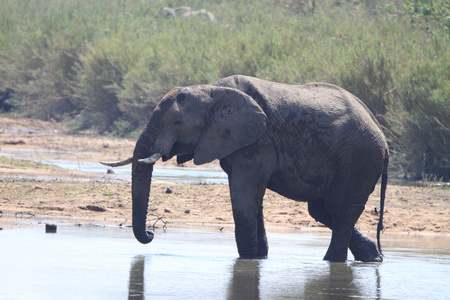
{"x": 104, "y": 64}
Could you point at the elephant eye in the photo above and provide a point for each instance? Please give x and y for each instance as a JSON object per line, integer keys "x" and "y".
{"x": 177, "y": 123}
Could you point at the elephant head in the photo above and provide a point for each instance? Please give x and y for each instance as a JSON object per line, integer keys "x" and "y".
{"x": 203, "y": 123}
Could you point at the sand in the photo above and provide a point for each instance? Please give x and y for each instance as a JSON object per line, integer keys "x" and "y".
{"x": 33, "y": 194}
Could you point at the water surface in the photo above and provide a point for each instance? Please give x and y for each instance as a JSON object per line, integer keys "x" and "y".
{"x": 183, "y": 263}
{"x": 197, "y": 175}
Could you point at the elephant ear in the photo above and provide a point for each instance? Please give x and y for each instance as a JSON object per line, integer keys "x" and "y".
{"x": 235, "y": 121}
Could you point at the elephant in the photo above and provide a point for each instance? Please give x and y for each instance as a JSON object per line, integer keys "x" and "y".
{"x": 314, "y": 142}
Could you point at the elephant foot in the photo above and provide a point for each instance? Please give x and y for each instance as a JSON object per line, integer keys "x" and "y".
{"x": 369, "y": 257}
{"x": 260, "y": 254}
{"x": 252, "y": 256}
{"x": 366, "y": 252}
{"x": 263, "y": 249}
{"x": 332, "y": 257}
{"x": 363, "y": 248}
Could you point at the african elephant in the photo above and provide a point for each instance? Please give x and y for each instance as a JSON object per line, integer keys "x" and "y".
{"x": 314, "y": 142}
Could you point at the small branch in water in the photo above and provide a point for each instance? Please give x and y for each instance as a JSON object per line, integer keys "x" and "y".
{"x": 159, "y": 218}
{"x": 126, "y": 219}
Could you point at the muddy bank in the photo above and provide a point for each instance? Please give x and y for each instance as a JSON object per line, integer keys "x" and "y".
{"x": 102, "y": 201}
{"x": 32, "y": 191}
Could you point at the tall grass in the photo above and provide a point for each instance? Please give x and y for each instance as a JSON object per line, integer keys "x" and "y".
{"x": 104, "y": 64}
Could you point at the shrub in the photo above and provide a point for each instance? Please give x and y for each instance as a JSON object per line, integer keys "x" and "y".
{"x": 104, "y": 64}
{"x": 422, "y": 125}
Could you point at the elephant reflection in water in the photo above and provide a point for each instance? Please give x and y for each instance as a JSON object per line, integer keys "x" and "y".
{"x": 337, "y": 280}
{"x": 340, "y": 282}
{"x": 136, "y": 286}
{"x": 244, "y": 283}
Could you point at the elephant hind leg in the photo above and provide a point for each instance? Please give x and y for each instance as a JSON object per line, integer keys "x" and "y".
{"x": 338, "y": 248}
{"x": 337, "y": 251}
{"x": 345, "y": 212}
{"x": 362, "y": 247}
{"x": 318, "y": 211}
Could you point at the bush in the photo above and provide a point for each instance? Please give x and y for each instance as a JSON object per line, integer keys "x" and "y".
{"x": 104, "y": 64}
{"x": 422, "y": 124}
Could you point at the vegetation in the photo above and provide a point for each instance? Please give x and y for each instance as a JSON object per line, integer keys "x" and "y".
{"x": 104, "y": 64}
{"x": 6, "y": 161}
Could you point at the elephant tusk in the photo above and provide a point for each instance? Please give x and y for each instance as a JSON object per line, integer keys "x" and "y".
{"x": 151, "y": 159}
{"x": 119, "y": 163}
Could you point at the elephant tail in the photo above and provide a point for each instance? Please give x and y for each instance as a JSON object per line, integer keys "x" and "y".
{"x": 384, "y": 178}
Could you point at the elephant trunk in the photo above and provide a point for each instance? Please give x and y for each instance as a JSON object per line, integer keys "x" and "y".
{"x": 140, "y": 190}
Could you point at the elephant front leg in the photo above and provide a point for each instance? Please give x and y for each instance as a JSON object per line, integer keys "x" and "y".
{"x": 263, "y": 245}
{"x": 246, "y": 233}
{"x": 249, "y": 170}
{"x": 250, "y": 233}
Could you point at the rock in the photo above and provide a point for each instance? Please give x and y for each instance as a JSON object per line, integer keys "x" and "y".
{"x": 93, "y": 208}
{"x": 50, "y": 228}
{"x": 167, "y": 210}
{"x": 14, "y": 143}
{"x": 185, "y": 12}
{"x": 169, "y": 191}
{"x": 187, "y": 211}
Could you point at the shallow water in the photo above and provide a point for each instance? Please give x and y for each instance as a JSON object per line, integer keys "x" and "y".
{"x": 171, "y": 174}
{"x": 195, "y": 175}
{"x": 180, "y": 263}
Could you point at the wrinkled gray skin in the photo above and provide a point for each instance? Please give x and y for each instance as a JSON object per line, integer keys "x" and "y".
{"x": 314, "y": 142}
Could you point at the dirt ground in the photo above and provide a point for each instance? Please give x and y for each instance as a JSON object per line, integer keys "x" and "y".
{"x": 33, "y": 194}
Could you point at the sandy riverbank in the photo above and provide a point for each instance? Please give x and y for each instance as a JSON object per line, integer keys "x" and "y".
{"x": 32, "y": 193}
